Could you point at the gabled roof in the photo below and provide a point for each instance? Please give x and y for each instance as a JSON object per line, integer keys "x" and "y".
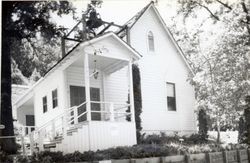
{"x": 17, "y": 91}
{"x": 130, "y": 23}
{"x": 135, "y": 18}
{"x": 70, "y": 54}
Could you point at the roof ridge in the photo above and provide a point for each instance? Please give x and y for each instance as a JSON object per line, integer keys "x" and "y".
{"x": 133, "y": 19}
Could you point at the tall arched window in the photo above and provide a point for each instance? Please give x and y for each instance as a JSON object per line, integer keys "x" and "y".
{"x": 151, "y": 45}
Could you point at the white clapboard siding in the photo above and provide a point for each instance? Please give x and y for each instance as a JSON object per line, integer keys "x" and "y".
{"x": 116, "y": 86}
{"x": 45, "y": 88}
{"x": 96, "y": 135}
{"x": 75, "y": 77}
{"x": 163, "y": 65}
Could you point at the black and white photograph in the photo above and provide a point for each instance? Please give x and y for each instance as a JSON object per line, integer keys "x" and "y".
{"x": 125, "y": 81}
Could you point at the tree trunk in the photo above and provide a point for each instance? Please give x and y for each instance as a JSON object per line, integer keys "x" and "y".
{"x": 218, "y": 132}
{"x": 7, "y": 144}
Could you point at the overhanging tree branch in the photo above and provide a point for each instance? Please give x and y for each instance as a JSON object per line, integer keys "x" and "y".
{"x": 210, "y": 12}
{"x": 224, "y": 4}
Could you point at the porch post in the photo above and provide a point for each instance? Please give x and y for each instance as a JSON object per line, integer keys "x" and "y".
{"x": 87, "y": 89}
{"x": 131, "y": 91}
{"x": 65, "y": 103}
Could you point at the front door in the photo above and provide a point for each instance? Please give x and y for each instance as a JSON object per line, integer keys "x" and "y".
{"x": 30, "y": 121}
{"x": 77, "y": 97}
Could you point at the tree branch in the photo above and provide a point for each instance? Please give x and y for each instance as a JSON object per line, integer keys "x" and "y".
{"x": 244, "y": 7}
{"x": 211, "y": 13}
{"x": 224, "y": 4}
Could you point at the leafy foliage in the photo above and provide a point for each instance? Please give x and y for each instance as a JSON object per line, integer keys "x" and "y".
{"x": 242, "y": 137}
{"x": 136, "y": 151}
{"x": 203, "y": 124}
{"x": 218, "y": 51}
{"x": 24, "y": 24}
{"x": 247, "y": 119}
{"x": 168, "y": 139}
{"x": 137, "y": 100}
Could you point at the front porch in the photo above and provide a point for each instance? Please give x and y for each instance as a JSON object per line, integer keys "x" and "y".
{"x": 100, "y": 113}
{"x": 101, "y": 87}
{"x": 87, "y": 98}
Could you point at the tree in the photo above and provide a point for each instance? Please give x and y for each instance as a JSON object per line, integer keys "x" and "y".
{"x": 203, "y": 124}
{"x": 220, "y": 58}
{"x": 247, "y": 119}
{"x": 137, "y": 100}
{"x": 24, "y": 21}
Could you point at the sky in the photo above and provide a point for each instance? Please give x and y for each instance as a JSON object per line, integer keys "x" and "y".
{"x": 120, "y": 11}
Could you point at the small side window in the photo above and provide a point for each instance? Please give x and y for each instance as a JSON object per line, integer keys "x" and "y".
{"x": 45, "y": 106}
{"x": 151, "y": 45}
{"x": 171, "y": 97}
{"x": 54, "y": 98}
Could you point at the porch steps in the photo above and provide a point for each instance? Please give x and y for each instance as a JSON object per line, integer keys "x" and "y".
{"x": 74, "y": 128}
{"x": 58, "y": 139}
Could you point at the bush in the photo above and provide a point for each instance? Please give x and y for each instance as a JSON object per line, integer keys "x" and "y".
{"x": 203, "y": 124}
{"x": 4, "y": 157}
{"x": 136, "y": 151}
{"x": 242, "y": 136}
{"x": 247, "y": 119}
{"x": 195, "y": 139}
{"x": 46, "y": 156}
{"x": 165, "y": 139}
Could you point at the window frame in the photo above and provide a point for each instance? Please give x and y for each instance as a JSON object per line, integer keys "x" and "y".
{"x": 174, "y": 92}
{"x": 45, "y": 104}
{"x": 54, "y": 98}
{"x": 151, "y": 41}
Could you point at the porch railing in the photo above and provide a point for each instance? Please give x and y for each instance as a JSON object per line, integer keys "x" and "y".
{"x": 26, "y": 130}
{"x": 105, "y": 111}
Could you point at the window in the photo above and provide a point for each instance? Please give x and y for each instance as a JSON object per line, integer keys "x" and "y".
{"x": 45, "y": 107}
{"x": 171, "y": 97}
{"x": 54, "y": 98}
{"x": 151, "y": 45}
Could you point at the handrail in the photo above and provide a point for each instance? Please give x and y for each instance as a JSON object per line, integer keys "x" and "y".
{"x": 96, "y": 111}
{"x": 125, "y": 106}
{"x": 107, "y": 102}
{"x": 78, "y": 117}
{"x": 100, "y": 102}
{"x": 71, "y": 108}
{"x": 59, "y": 116}
{"x": 116, "y": 117}
{"x": 122, "y": 113}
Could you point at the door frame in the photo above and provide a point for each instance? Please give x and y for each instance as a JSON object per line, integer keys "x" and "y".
{"x": 100, "y": 94}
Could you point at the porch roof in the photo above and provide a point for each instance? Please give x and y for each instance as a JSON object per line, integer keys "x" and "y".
{"x": 66, "y": 61}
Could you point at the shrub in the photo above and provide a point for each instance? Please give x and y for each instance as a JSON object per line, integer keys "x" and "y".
{"x": 136, "y": 151}
{"x": 203, "y": 124}
{"x": 137, "y": 100}
{"x": 195, "y": 139}
{"x": 47, "y": 155}
{"x": 166, "y": 139}
{"x": 247, "y": 118}
{"x": 242, "y": 136}
{"x": 22, "y": 159}
{"x": 4, "y": 157}
{"x": 152, "y": 139}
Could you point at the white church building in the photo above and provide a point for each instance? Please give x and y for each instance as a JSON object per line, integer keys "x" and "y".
{"x": 84, "y": 101}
